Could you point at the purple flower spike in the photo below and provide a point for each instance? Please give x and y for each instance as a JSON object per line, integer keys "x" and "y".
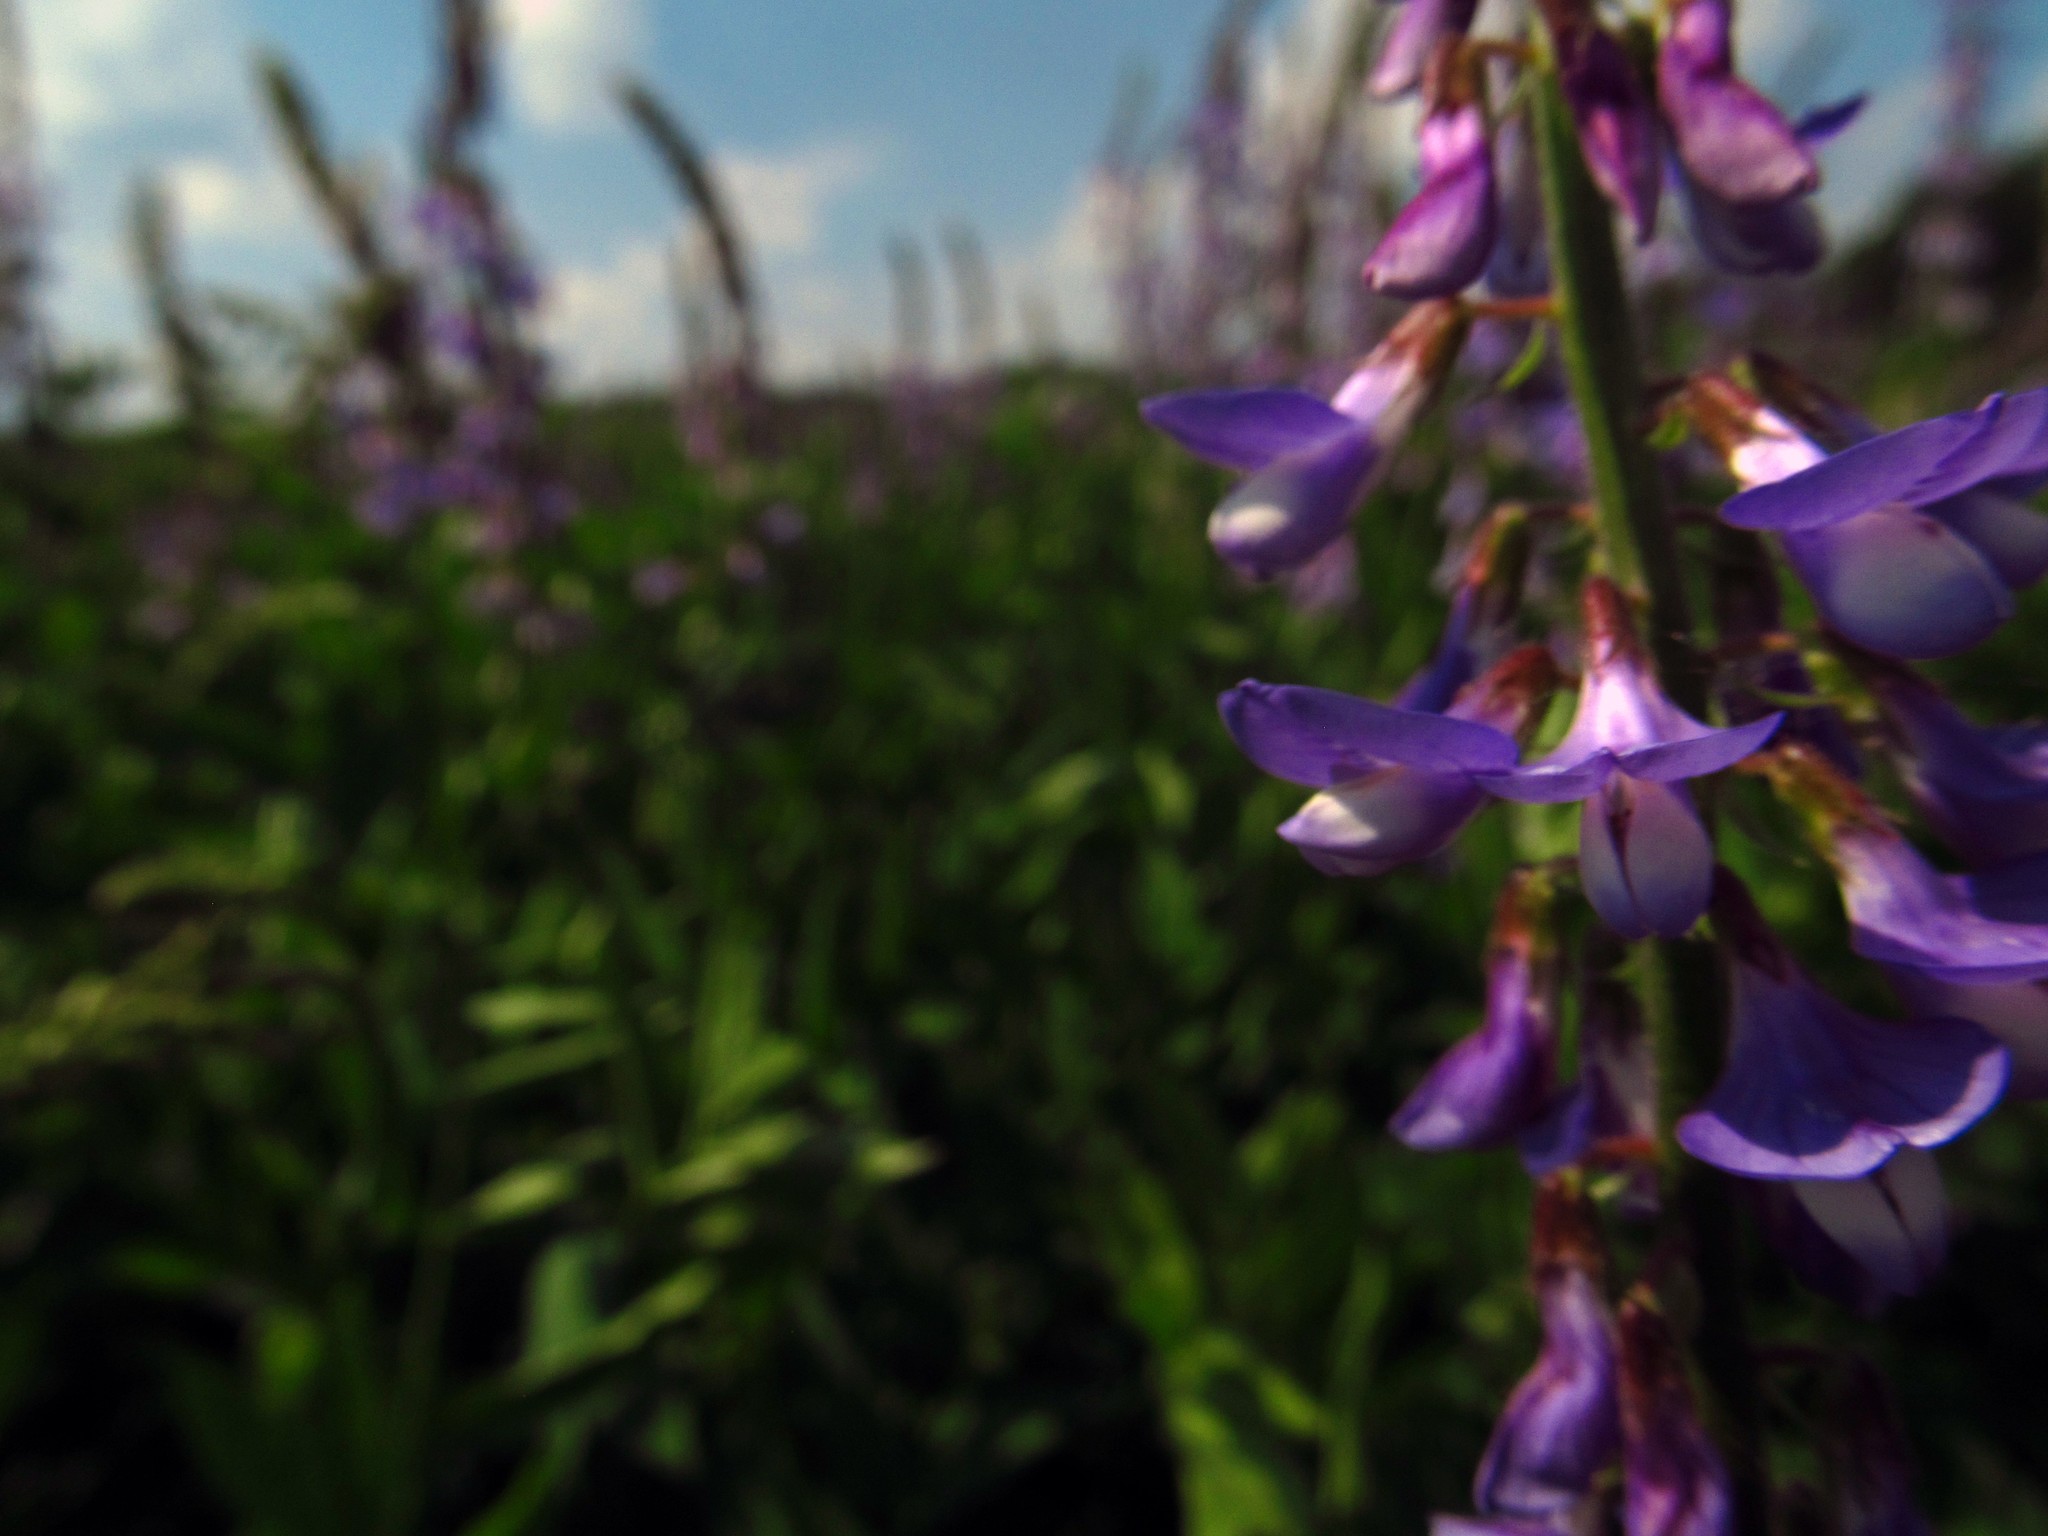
{"x": 1309, "y": 464}
{"x": 1561, "y": 1429}
{"x": 1733, "y": 142}
{"x": 1813, "y": 1090}
{"x": 1497, "y": 1082}
{"x": 1617, "y": 122}
{"x": 1674, "y": 1482}
{"x": 1645, "y": 859}
{"x": 1440, "y": 243}
{"x": 1984, "y": 791}
{"x": 1395, "y": 785}
{"x": 1412, "y": 39}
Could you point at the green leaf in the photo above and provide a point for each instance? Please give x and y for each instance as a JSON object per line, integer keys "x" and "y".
{"x": 529, "y": 1010}
{"x": 727, "y": 1161}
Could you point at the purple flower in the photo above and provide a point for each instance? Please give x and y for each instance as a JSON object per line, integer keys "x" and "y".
{"x": 660, "y": 582}
{"x": 1616, "y": 119}
{"x": 783, "y": 524}
{"x": 1911, "y": 542}
{"x": 1644, "y": 857}
{"x": 745, "y": 563}
{"x": 1773, "y": 236}
{"x": 1902, "y": 913}
{"x": 1395, "y": 784}
{"x": 1440, "y": 243}
{"x": 1734, "y": 144}
{"x": 1412, "y": 40}
{"x": 1610, "y": 1115}
{"x": 1309, "y": 464}
{"x": 1561, "y": 1429}
{"x": 1984, "y": 791}
{"x": 1813, "y": 1090}
{"x": 1674, "y": 1482}
{"x": 1865, "y": 1242}
{"x": 1500, "y": 1080}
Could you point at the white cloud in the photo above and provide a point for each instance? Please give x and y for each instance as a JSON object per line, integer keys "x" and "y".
{"x": 562, "y": 56}
{"x": 609, "y": 325}
{"x": 218, "y": 199}
{"x": 101, "y": 64}
{"x": 780, "y": 200}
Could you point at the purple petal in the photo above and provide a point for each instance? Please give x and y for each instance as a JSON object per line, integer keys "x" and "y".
{"x": 1644, "y": 859}
{"x": 1823, "y": 124}
{"x": 1412, "y": 38}
{"x": 1496, "y": 1082}
{"x": 2015, "y": 1014}
{"x": 1781, "y": 238}
{"x": 1246, "y": 429}
{"x": 2014, "y": 891}
{"x": 1490, "y": 1525}
{"x": 1900, "y": 583}
{"x": 1712, "y": 752}
{"x": 1673, "y": 1480}
{"x": 1550, "y": 783}
{"x": 1617, "y": 124}
{"x": 1292, "y": 510}
{"x": 1561, "y": 1428}
{"x": 1732, "y": 140}
{"x": 1902, "y": 913}
{"x": 1920, "y": 464}
{"x": 1318, "y": 737}
{"x": 1813, "y": 1090}
{"x": 1439, "y": 244}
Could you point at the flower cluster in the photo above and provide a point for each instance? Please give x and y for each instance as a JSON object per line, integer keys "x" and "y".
{"x": 1911, "y": 545}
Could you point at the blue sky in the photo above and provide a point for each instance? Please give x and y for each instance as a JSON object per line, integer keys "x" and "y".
{"x": 837, "y": 122}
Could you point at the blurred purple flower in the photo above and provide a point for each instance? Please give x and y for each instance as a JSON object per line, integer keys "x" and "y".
{"x": 1734, "y": 144}
{"x": 1308, "y": 464}
{"x": 783, "y": 525}
{"x": 1440, "y": 243}
{"x": 1616, "y": 120}
{"x": 660, "y": 582}
{"x": 1412, "y": 40}
{"x": 1985, "y": 791}
{"x": 745, "y": 563}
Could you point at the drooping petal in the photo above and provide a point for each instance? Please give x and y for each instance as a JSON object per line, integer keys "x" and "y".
{"x": 1772, "y": 239}
{"x": 1318, "y": 737}
{"x": 1439, "y": 244}
{"x": 1498, "y": 1081}
{"x": 1561, "y": 1428}
{"x": 1815, "y": 1091}
{"x": 1733, "y": 141}
{"x": 2014, "y": 1013}
{"x": 1674, "y": 1482}
{"x": 1645, "y": 860}
{"x": 1902, "y": 913}
{"x": 1296, "y": 507}
{"x": 1900, "y": 583}
{"x": 1984, "y": 791}
{"x": 1246, "y": 429}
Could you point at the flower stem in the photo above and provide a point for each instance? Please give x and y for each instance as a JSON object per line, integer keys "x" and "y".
{"x": 1679, "y": 978}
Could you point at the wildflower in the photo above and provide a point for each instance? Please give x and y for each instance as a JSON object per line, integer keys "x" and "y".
{"x": 1394, "y": 783}
{"x": 1674, "y": 1482}
{"x": 1610, "y": 1114}
{"x": 1441, "y": 242}
{"x": 1561, "y": 1428}
{"x": 1497, "y": 1082}
{"x": 1984, "y": 791}
{"x": 1413, "y": 38}
{"x": 1813, "y": 1090}
{"x": 1308, "y": 464}
{"x": 1734, "y": 144}
{"x": 1644, "y": 857}
{"x": 660, "y": 582}
{"x": 784, "y": 524}
{"x": 1911, "y": 542}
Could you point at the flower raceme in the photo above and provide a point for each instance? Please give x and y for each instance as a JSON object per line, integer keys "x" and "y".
{"x": 1644, "y": 857}
{"x": 1309, "y": 463}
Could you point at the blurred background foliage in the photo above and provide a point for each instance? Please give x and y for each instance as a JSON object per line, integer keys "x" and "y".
{"x": 776, "y": 1007}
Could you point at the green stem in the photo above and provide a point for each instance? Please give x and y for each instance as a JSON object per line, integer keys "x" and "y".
{"x": 1680, "y": 978}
